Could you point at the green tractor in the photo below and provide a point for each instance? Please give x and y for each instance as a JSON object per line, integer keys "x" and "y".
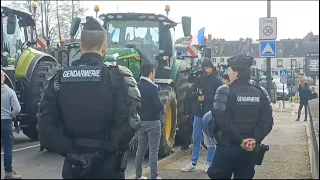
{"x": 138, "y": 38}
{"x": 26, "y": 69}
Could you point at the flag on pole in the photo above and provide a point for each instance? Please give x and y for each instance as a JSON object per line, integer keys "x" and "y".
{"x": 198, "y": 39}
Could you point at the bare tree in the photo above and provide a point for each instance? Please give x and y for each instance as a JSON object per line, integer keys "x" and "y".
{"x": 53, "y": 20}
{"x": 67, "y": 11}
{"x": 58, "y": 19}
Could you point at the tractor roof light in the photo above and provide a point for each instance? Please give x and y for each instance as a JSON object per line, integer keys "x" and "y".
{"x": 35, "y": 4}
{"x": 167, "y": 8}
{"x": 96, "y": 8}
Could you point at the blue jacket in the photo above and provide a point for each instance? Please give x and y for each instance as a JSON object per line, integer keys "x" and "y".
{"x": 305, "y": 95}
{"x": 151, "y": 105}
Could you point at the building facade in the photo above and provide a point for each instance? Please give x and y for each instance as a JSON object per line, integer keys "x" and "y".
{"x": 288, "y": 51}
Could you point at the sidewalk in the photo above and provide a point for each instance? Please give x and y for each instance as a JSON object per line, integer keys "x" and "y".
{"x": 288, "y": 156}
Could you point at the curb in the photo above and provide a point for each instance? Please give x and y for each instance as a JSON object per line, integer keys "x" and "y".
{"x": 313, "y": 167}
{"x": 163, "y": 162}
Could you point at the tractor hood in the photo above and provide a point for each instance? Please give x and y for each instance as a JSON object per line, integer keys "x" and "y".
{"x": 115, "y": 54}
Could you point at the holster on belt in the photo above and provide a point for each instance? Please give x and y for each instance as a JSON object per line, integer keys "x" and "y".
{"x": 123, "y": 160}
{"x": 260, "y": 152}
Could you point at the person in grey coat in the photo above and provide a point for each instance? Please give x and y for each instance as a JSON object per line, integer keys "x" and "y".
{"x": 9, "y": 101}
{"x": 149, "y": 133}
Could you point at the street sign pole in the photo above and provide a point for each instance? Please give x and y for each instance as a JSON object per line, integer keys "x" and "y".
{"x": 268, "y": 78}
{"x": 283, "y": 81}
{"x": 283, "y": 96}
{"x": 291, "y": 80}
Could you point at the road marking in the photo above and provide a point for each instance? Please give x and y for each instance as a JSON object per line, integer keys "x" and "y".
{"x": 24, "y": 148}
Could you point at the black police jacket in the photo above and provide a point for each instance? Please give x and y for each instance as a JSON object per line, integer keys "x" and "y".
{"x": 210, "y": 84}
{"x": 241, "y": 111}
{"x": 88, "y": 100}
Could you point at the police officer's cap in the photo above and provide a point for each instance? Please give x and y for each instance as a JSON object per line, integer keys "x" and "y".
{"x": 92, "y": 24}
{"x": 240, "y": 61}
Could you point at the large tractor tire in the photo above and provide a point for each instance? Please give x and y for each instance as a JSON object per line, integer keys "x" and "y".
{"x": 184, "y": 118}
{"x": 39, "y": 80}
{"x": 168, "y": 121}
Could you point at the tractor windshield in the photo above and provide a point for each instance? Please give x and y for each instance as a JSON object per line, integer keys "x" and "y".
{"x": 143, "y": 34}
{"x": 12, "y": 43}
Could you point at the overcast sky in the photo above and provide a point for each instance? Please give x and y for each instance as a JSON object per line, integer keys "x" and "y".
{"x": 229, "y": 19}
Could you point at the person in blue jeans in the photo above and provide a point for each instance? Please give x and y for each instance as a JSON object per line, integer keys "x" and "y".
{"x": 10, "y": 108}
{"x": 209, "y": 83}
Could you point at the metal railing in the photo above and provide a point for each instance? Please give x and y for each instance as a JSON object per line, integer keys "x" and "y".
{"x": 315, "y": 143}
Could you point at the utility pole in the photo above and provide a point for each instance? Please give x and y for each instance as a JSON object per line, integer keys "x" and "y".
{"x": 72, "y": 14}
{"x": 268, "y": 58}
{"x": 291, "y": 80}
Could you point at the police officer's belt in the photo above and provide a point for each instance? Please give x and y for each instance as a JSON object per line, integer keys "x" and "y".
{"x": 94, "y": 143}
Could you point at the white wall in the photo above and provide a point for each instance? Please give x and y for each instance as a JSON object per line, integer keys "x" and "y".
{"x": 219, "y": 60}
{"x": 261, "y": 62}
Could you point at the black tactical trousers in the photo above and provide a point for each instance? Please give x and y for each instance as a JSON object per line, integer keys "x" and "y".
{"x": 108, "y": 169}
{"x": 232, "y": 160}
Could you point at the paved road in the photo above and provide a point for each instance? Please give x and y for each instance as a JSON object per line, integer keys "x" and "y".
{"x": 32, "y": 164}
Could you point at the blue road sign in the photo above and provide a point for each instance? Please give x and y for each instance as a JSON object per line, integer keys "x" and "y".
{"x": 268, "y": 48}
{"x": 283, "y": 73}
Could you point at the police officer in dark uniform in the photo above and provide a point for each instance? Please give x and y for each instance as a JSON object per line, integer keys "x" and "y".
{"x": 88, "y": 112}
{"x": 242, "y": 118}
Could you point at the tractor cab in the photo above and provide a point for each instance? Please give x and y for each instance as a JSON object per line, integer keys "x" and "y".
{"x": 14, "y": 32}
{"x": 138, "y": 38}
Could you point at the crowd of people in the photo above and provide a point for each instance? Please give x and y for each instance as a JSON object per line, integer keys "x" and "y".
{"x": 232, "y": 115}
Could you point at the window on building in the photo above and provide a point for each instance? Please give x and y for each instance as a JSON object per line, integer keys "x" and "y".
{"x": 254, "y": 63}
{"x": 279, "y": 63}
{"x": 294, "y": 62}
{"x": 280, "y": 51}
{"x": 221, "y": 60}
{"x": 214, "y": 60}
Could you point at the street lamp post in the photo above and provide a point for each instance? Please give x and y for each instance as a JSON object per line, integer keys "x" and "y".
{"x": 96, "y": 9}
{"x": 167, "y": 9}
{"x": 268, "y": 70}
{"x": 34, "y": 7}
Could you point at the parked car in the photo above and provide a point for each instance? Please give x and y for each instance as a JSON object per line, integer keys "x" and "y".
{"x": 282, "y": 89}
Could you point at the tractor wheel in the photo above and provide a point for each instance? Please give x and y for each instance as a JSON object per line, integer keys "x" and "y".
{"x": 42, "y": 71}
{"x": 168, "y": 121}
{"x": 182, "y": 86}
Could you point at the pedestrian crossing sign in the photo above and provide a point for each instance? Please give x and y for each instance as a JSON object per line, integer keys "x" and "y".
{"x": 268, "y": 48}
{"x": 283, "y": 73}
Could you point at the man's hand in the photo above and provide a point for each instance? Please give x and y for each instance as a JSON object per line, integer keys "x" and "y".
{"x": 248, "y": 144}
{"x": 85, "y": 162}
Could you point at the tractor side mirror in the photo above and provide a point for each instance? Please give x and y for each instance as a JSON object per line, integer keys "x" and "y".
{"x": 74, "y": 26}
{"x": 207, "y": 53}
{"x": 11, "y": 24}
{"x": 186, "y": 25}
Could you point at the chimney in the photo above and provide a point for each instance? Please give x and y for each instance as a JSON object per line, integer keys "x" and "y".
{"x": 209, "y": 37}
